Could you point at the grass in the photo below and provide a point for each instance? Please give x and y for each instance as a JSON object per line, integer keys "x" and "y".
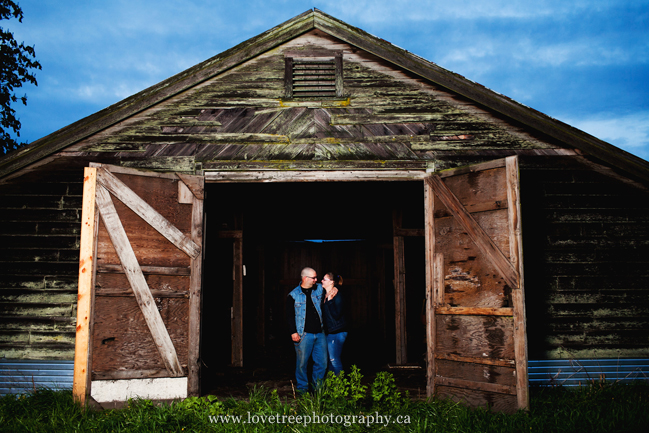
{"x": 342, "y": 406}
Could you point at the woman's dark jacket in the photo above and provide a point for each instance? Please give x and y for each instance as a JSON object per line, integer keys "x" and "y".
{"x": 333, "y": 316}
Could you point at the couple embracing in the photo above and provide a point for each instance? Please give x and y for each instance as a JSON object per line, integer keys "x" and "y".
{"x": 314, "y": 315}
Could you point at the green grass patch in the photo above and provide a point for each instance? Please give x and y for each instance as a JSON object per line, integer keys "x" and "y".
{"x": 342, "y": 404}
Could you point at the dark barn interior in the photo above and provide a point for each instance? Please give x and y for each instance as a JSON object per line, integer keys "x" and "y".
{"x": 345, "y": 227}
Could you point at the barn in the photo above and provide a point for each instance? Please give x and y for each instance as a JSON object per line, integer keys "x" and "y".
{"x": 155, "y": 241}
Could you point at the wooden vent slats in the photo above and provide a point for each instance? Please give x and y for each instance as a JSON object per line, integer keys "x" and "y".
{"x": 313, "y": 78}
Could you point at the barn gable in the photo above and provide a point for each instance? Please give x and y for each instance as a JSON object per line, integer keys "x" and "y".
{"x": 379, "y": 114}
{"x": 385, "y": 116}
{"x": 385, "y": 82}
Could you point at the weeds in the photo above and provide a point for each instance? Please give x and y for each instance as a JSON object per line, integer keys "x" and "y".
{"x": 384, "y": 392}
{"x": 343, "y": 392}
{"x": 341, "y": 404}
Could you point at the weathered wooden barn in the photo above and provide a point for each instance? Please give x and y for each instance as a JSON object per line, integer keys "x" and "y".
{"x": 162, "y": 234}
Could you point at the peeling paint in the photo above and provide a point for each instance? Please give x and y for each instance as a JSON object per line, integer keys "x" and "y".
{"x": 460, "y": 281}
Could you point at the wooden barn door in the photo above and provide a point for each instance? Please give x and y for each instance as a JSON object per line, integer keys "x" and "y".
{"x": 139, "y": 285}
{"x": 477, "y": 351}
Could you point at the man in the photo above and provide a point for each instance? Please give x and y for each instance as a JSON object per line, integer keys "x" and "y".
{"x": 304, "y": 320}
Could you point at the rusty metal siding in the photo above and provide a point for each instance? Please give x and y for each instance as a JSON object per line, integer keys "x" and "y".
{"x": 23, "y": 376}
{"x": 579, "y": 372}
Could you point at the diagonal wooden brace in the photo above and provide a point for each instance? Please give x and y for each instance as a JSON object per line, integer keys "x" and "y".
{"x": 482, "y": 240}
{"x": 147, "y": 213}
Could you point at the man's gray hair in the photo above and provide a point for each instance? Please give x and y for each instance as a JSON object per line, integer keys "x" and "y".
{"x": 306, "y": 271}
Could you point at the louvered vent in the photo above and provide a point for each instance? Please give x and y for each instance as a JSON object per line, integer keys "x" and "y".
{"x": 314, "y": 77}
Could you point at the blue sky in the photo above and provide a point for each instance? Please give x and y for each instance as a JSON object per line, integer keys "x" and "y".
{"x": 585, "y": 63}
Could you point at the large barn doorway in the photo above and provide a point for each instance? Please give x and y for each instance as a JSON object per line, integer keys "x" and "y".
{"x": 345, "y": 227}
{"x": 473, "y": 273}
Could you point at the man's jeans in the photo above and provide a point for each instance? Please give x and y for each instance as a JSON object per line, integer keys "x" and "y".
{"x": 311, "y": 345}
{"x": 335, "y": 345}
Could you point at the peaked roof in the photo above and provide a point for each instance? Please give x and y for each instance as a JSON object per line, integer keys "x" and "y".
{"x": 309, "y": 20}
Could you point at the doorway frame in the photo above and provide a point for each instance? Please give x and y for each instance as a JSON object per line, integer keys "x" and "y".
{"x": 297, "y": 176}
{"x": 433, "y": 274}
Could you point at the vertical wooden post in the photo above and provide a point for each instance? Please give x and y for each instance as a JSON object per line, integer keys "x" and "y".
{"x": 85, "y": 298}
{"x": 399, "y": 291}
{"x": 261, "y": 299}
{"x": 431, "y": 280}
{"x": 195, "y": 294}
{"x": 438, "y": 290}
{"x": 288, "y": 77}
{"x": 518, "y": 293}
{"x": 381, "y": 299}
{"x": 339, "y": 74}
{"x": 237, "y": 304}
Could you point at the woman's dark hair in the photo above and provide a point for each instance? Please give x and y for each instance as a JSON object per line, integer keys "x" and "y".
{"x": 337, "y": 279}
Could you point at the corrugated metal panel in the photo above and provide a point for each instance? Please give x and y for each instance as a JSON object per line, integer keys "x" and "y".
{"x": 21, "y": 376}
{"x": 576, "y": 372}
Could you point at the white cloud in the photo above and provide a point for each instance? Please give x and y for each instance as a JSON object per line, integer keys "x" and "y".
{"x": 591, "y": 51}
{"x": 390, "y": 11}
{"x": 629, "y": 132}
{"x": 100, "y": 93}
{"x": 488, "y": 52}
{"x": 88, "y": 92}
{"x": 471, "y": 53}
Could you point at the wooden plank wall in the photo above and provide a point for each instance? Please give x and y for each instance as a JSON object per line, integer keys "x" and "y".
{"x": 586, "y": 258}
{"x": 40, "y": 221}
{"x": 122, "y": 340}
{"x": 586, "y": 238}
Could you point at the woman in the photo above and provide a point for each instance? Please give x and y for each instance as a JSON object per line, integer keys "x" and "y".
{"x": 333, "y": 318}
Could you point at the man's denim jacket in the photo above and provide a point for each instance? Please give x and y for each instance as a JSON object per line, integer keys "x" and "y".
{"x": 300, "y": 305}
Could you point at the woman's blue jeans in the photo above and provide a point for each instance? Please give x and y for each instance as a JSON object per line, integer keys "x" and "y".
{"x": 311, "y": 345}
{"x": 335, "y": 347}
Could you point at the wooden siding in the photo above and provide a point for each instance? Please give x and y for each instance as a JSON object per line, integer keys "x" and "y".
{"x": 586, "y": 255}
{"x": 39, "y": 257}
{"x": 385, "y": 114}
